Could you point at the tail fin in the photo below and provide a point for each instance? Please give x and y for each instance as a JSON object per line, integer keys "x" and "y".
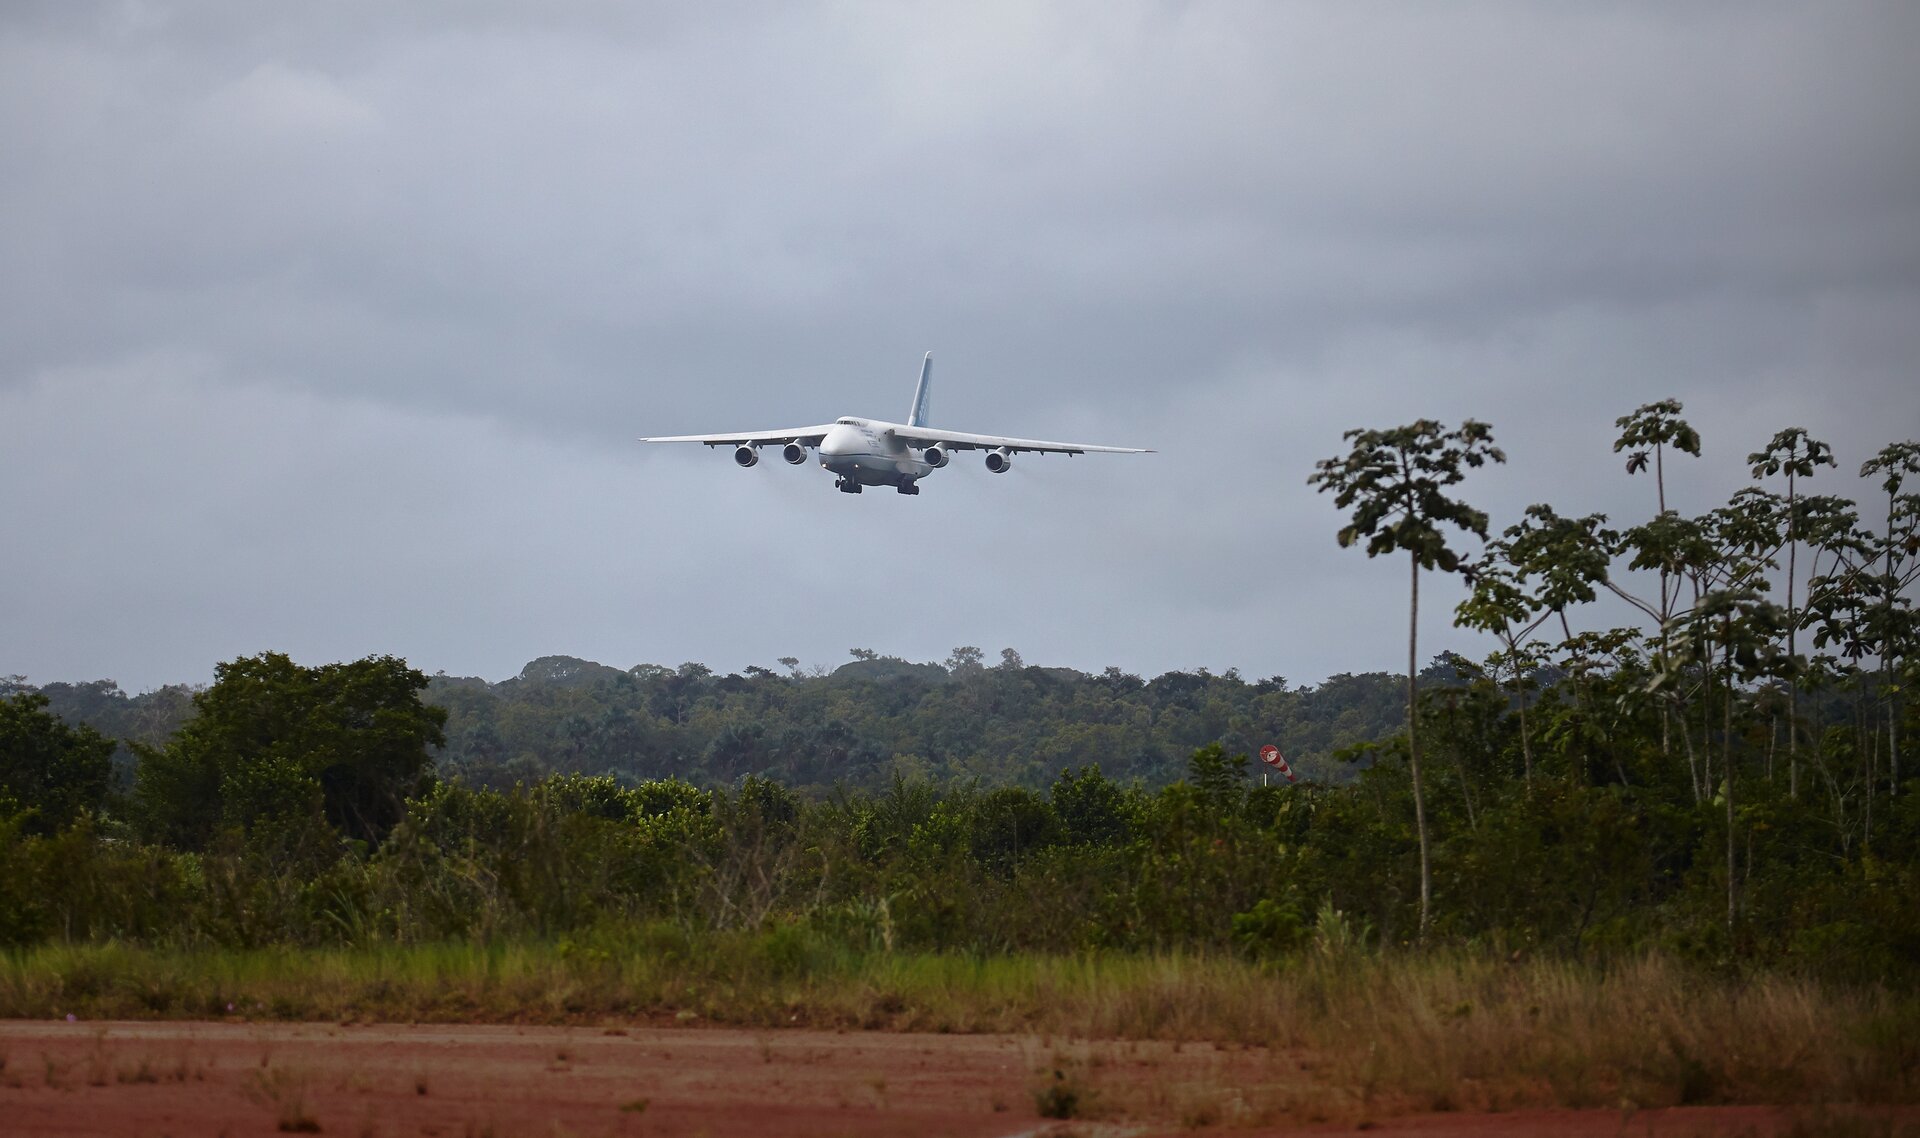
{"x": 918, "y": 416}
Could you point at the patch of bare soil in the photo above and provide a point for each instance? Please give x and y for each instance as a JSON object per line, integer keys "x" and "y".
{"x": 391, "y": 1081}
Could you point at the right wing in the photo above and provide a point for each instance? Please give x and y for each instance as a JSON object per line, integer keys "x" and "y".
{"x": 805, "y": 436}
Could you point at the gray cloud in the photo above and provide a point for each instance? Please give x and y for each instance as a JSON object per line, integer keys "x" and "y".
{"x": 329, "y": 331}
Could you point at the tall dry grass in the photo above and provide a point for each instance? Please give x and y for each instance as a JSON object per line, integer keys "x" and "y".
{"x": 1434, "y": 1031}
{"x": 1469, "y": 1032}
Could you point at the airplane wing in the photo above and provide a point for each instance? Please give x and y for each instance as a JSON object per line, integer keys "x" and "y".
{"x": 961, "y": 440}
{"x": 806, "y": 436}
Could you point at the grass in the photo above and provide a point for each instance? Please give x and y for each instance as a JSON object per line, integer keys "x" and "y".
{"x": 1465, "y": 1033}
{"x": 1342, "y": 1035}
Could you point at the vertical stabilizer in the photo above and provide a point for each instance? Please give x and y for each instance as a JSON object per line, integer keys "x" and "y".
{"x": 918, "y": 416}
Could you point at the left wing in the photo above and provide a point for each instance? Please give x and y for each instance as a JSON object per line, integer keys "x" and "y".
{"x": 961, "y": 440}
{"x": 806, "y": 436}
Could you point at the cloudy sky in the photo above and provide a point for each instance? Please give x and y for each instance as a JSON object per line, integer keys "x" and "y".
{"x": 328, "y": 329}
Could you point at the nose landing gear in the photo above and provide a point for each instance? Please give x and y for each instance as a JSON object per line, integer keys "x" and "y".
{"x": 846, "y": 485}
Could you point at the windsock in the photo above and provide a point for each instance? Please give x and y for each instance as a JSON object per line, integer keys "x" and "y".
{"x": 1271, "y": 756}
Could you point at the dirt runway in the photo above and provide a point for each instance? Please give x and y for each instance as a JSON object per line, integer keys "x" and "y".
{"x": 395, "y": 1081}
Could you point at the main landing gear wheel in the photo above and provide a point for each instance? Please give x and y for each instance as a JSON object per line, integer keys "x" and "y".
{"x": 909, "y": 486}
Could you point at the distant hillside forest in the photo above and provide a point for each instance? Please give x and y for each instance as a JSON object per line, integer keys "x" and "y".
{"x": 875, "y": 717}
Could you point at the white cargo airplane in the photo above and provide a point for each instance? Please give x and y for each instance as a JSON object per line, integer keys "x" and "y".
{"x": 872, "y": 452}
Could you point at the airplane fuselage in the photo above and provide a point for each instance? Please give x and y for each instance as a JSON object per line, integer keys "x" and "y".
{"x": 867, "y": 452}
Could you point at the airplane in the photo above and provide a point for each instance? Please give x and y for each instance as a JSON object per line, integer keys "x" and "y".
{"x": 874, "y": 452}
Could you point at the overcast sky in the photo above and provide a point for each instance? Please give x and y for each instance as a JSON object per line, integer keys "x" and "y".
{"x": 328, "y": 329}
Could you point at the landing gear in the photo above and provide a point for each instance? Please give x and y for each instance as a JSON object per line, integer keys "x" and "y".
{"x": 846, "y": 485}
{"x": 909, "y": 486}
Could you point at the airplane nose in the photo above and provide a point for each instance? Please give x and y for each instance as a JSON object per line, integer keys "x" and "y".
{"x": 841, "y": 440}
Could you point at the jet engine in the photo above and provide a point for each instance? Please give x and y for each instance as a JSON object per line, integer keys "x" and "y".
{"x": 746, "y": 455}
{"x": 998, "y": 459}
{"x": 935, "y": 456}
{"x": 794, "y": 453}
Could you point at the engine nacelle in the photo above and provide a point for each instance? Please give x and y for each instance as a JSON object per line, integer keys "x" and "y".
{"x": 794, "y": 453}
{"x": 999, "y": 459}
{"x": 746, "y": 455}
{"x": 935, "y": 456}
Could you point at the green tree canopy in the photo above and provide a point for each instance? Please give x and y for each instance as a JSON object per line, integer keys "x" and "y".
{"x": 53, "y": 772}
{"x": 271, "y": 740}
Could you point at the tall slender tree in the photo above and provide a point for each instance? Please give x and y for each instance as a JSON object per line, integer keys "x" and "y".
{"x": 1899, "y": 557}
{"x": 1396, "y": 483}
{"x": 1650, "y": 430}
{"x": 1794, "y": 453}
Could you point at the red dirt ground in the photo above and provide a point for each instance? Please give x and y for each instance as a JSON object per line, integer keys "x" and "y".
{"x": 390, "y": 1081}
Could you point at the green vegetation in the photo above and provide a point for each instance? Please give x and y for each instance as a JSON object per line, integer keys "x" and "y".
{"x": 1679, "y": 853}
{"x": 274, "y": 746}
{"x": 51, "y": 775}
{"x": 873, "y": 717}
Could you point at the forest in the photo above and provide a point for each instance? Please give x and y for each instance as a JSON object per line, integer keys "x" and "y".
{"x": 856, "y": 726}
{"x": 1721, "y": 781}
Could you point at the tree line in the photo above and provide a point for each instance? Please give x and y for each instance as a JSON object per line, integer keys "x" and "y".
{"x": 856, "y": 726}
